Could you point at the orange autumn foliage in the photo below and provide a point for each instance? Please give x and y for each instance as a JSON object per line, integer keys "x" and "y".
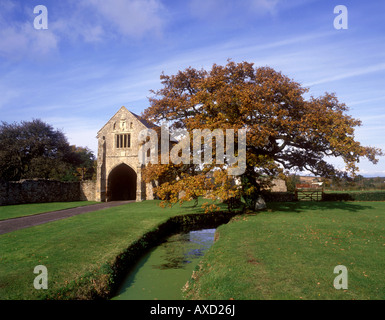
{"x": 285, "y": 131}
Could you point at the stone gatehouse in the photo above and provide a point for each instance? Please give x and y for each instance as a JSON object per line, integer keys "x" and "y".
{"x": 119, "y": 174}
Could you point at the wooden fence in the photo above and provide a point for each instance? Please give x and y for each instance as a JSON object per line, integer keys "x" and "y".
{"x": 309, "y": 192}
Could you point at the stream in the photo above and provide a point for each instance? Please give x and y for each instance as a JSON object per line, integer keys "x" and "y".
{"x": 164, "y": 270}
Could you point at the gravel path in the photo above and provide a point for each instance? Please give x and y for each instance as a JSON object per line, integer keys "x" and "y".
{"x": 10, "y": 225}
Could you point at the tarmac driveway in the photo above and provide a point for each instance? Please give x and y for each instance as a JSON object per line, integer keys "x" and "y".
{"x": 10, "y": 225}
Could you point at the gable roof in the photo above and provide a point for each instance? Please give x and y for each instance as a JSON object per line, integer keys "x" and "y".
{"x": 144, "y": 122}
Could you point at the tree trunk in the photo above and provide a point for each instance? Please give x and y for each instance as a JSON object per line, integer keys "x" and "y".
{"x": 251, "y": 190}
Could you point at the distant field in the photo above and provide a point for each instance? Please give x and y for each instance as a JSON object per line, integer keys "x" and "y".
{"x": 21, "y": 210}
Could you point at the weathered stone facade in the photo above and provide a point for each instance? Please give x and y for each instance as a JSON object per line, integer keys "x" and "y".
{"x": 119, "y": 174}
{"x": 88, "y": 190}
{"x": 38, "y": 191}
{"x": 278, "y": 185}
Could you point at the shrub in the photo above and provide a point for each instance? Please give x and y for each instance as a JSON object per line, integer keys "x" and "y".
{"x": 278, "y": 196}
{"x": 355, "y": 196}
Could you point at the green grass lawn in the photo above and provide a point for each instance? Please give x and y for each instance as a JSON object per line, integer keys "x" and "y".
{"x": 290, "y": 251}
{"x": 21, "y": 210}
{"x": 75, "y": 250}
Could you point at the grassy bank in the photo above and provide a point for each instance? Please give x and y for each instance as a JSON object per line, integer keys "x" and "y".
{"x": 290, "y": 252}
{"x": 22, "y": 210}
{"x": 78, "y": 251}
{"x": 287, "y": 252}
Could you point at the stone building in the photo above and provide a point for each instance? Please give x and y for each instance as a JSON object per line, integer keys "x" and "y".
{"x": 119, "y": 174}
{"x": 278, "y": 185}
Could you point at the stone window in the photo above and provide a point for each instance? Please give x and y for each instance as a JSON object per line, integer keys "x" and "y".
{"x": 123, "y": 141}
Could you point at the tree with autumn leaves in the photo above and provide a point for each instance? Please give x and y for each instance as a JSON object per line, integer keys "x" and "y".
{"x": 284, "y": 131}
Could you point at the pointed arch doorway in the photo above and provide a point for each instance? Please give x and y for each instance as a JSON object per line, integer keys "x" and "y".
{"x": 121, "y": 183}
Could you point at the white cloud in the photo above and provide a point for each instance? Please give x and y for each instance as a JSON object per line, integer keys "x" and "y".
{"x": 75, "y": 28}
{"x": 366, "y": 101}
{"x": 21, "y": 40}
{"x": 98, "y": 20}
{"x": 220, "y": 9}
{"x": 7, "y": 6}
{"x": 7, "y": 95}
{"x": 79, "y": 131}
{"x": 89, "y": 21}
{"x": 133, "y": 18}
{"x": 349, "y": 74}
{"x": 264, "y": 6}
{"x": 212, "y": 9}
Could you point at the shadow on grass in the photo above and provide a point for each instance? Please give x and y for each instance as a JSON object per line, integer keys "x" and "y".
{"x": 192, "y": 205}
{"x": 301, "y": 206}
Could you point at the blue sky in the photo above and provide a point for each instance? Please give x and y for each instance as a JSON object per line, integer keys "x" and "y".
{"x": 97, "y": 56}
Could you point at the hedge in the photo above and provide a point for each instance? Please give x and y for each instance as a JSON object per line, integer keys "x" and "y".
{"x": 346, "y": 196}
{"x": 278, "y": 196}
{"x": 355, "y": 196}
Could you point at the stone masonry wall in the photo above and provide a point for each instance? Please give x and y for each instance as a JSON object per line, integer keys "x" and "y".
{"x": 38, "y": 191}
{"x": 279, "y": 185}
{"x": 88, "y": 190}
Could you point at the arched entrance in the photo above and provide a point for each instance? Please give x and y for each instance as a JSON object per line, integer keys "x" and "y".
{"x": 121, "y": 183}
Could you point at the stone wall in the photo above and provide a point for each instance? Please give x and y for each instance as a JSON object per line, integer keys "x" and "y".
{"x": 37, "y": 191}
{"x": 88, "y": 190}
{"x": 279, "y": 185}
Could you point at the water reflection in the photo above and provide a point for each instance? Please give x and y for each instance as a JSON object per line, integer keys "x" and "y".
{"x": 162, "y": 272}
